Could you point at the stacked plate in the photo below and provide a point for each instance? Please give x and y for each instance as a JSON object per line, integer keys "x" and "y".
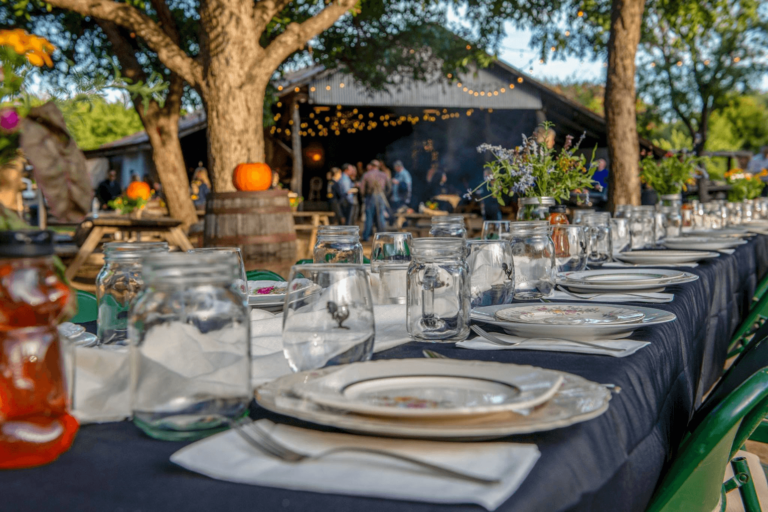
{"x": 625, "y": 280}
{"x": 436, "y": 398}
{"x": 667, "y": 257}
{"x": 702, "y": 243}
{"x": 720, "y": 233}
{"x": 570, "y": 321}
{"x": 270, "y": 295}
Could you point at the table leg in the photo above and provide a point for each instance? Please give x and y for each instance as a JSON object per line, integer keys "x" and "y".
{"x": 180, "y": 239}
{"x": 313, "y": 234}
{"x": 90, "y": 245}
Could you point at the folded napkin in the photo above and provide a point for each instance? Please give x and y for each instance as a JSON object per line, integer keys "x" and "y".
{"x": 726, "y": 251}
{"x": 268, "y": 361}
{"x": 228, "y": 457}
{"x": 650, "y": 298}
{"x": 550, "y": 345}
{"x": 101, "y": 387}
{"x": 621, "y": 264}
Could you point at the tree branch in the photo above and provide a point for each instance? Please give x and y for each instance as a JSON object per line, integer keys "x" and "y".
{"x": 132, "y": 19}
{"x": 265, "y": 10}
{"x": 297, "y": 35}
{"x": 167, "y": 23}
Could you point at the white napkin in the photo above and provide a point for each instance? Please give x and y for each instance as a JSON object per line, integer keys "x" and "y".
{"x": 102, "y": 379}
{"x": 268, "y": 361}
{"x": 549, "y": 345}
{"x": 620, "y": 264}
{"x": 651, "y": 298}
{"x": 227, "y": 457}
{"x": 726, "y": 251}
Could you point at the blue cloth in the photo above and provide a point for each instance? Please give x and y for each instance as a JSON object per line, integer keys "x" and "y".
{"x": 602, "y": 177}
{"x": 345, "y": 184}
{"x": 401, "y": 193}
{"x": 374, "y": 212}
{"x": 611, "y": 463}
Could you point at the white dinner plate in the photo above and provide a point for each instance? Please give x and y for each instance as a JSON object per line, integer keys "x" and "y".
{"x": 273, "y": 299}
{"x": 719, "y": 233}
{"x": 667, "y": 257}
{"x": 611, "y": 277}
{"x": 575, "y": 280}
{"x": 428, "y": 388}
{"x": 701, "y": 243}
{"x": 557, "y": 314}
{"x": 576, "y": 400}
{"x": 584, "y": 332}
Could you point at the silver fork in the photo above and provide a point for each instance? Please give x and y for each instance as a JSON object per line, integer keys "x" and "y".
{"x": 498, "y": 341}
{"x": 265, "y": 443}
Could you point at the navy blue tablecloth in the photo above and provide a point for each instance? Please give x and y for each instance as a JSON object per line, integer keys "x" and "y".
{"x": 611, "y": 463}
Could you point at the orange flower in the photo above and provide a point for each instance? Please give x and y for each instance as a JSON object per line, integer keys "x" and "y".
{"x": 37, "y": 50}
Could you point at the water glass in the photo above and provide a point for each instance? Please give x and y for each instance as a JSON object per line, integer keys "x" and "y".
{"x": 597, "y": 227}
{"x": 672, "y": 221}
{"x": 495, "y": 229}
{"x": 570, "y": 247}
{"x": 241, "y": 283}
{"x": 620, "y": 236}
{"x": 642, "y": 227}
{"x": 451, "y": 226}
{"x": 338, "y": 244}
{"x": 390, "y": 248}
{"x": 578, "y": 214}
{"x": 534, "y": 208}
{"x": 333, "y": 322}
{"x": 390, "y": 284}
{"x": 190, "y": 347}
{"x": 734, "y": 213}
{"x": 438, "y": 290}
{"x": 622, "y": 211}
{"x": 492, "y": 272}
{"x": 533, "y": 253}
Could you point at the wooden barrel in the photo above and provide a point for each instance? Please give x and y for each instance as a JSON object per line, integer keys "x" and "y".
{"x": 260, "y": 223}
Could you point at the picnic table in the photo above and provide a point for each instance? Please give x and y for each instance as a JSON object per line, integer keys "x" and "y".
{"x": 316, "y": 219}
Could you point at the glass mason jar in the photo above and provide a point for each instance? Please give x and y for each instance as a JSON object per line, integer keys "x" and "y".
{"x": 673, "y": 200}
{"x": 597, "y": 227}
{"x": 390, "y": 284}
{"x": 451, "y": 226}
{"x": 533, "y": 254}
{"x": 642, "y": 227}
{"x": 338, "y": 244}
{"x": 534, "y": 208}
{"x": 714, "y": 216}
{"x": 438, "y": 290}
{"x": 117, "y": 286}
{"x": 734, "y": 212}
{"x": 673, "y": 221}
{"x": 557, "y": 215}
{"x": 491, "y": 271}
{"x": 190, "y": 347}
{"x": 747, "y": 210}
{"x": 622, "y": 211}
{"x": 758, "y": 211}
{"x": 579, "y": 213}
{"x": 620, "y": 237}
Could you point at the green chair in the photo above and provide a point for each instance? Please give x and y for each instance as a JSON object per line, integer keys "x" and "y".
{"x": 694, "y": 480}
{"x": 87, "y": 308}
{"x": 263, "y": 275}
{"x": 751, "y": 323}
{"x": 307, "y": 261}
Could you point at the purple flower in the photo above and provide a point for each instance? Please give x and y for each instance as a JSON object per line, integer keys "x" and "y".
{"x": 9, "y": 120}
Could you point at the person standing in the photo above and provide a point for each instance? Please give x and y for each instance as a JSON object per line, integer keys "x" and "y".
{"x": 350, "y": 206}
{"x": 200, "y": 187}
{"x": 374, "y": 188}
{"x": 336, "y": 197}
{"x": 108, "y": 190}
{"x": 402, "y": 186}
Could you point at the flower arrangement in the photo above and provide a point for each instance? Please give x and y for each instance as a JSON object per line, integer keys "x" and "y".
{"x": 670, "y": 175}
{"x": 295, "y": 200}
{"x": 536, "y": 170}
{"x": 744, "y": 185}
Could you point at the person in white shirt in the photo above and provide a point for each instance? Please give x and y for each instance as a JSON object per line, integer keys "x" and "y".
{"x": 759, "y": 161}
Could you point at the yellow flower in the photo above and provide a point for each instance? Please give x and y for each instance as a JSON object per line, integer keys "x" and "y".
{"x": 762, "y": 173}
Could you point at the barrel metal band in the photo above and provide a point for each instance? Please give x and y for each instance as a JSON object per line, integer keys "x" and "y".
{"x": 233, "y": 211}
{"x": 253, "y": 239}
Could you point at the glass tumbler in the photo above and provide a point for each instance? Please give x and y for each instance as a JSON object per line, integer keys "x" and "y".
{"x": 332, "y": 323}
{"x": 533, "y": 253}
{"x": 117, "y": 286}
{"x": 597, "y": 227}
{"x": 491, "y": 271}
{"x": 495, "y": 229}
{"x": 578, "y": 214}
{"x": 190, "y": 347}
{"x": 672, "y": 221}
{"x": 438, "y": 290}
{"x": 392, "y": 284}
{"x": 390, "y": 248}
{"x": 241, "y": 283}
{"x": 570, "y": 248}
{"x": 451, "y": 226}
{"x": 642, "y": 227}
{"x": 620, "y": 236}
{"x": 338, "y": 244}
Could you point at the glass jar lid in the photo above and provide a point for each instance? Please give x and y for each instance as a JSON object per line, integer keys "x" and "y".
{"x": 545, "y": 201}
{"x": 338, "y": 230}
{"x": 120, "y": 251}
{"x": 183, "y": 268}
{"x": 536, "y": 227}
{"x": 438, "y": 248}
{"x": 448, "y": 219}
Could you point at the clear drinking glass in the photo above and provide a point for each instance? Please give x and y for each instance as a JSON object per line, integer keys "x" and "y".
{"x": 620, "y": 236}
{"x": 333, "y": 322}
{"x": 451, "y": 226}
{"x": 570, "y": 247}
{"x": 117, "y": 286}
{"x": 642, "y": 227}
{"x": 495, "y": 229}
{"x": 491, "y": 271}
{"x": 747, "y": 210}
{"x": 622, "y": 211}
{"x": 533, "y": 253}
{"x": 438, "y": 290}
{"x": 338, "y": 244}
{"x": 578, "y": 214}
{"x": 391, "y": 284}
{"x": 190, "y": 347}
{"x": 673, "y": 221}
{"x": 241, "y": 283}
{"x": 534, "y": 208}
{"x": 390, "y": 248}
{"x": 597, "y": 227}
{"x": 735, "y": 212}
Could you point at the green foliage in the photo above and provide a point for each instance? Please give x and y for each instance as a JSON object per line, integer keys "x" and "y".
{"x": 95, "y": 122}
{"x": 744, "y": 185}
{"x": 586, "y": 93}
{"x": 671, "y": 174}
{"x": 126, "y": 205}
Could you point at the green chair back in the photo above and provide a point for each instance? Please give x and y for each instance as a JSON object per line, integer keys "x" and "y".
{"x": 739, "y": 340}
{"x": 762, "y": 287}
{"x": 307, "y": 261}
{"x": 87, "y": 308}
{"x": 263, "y": 275}
{"x": 694, "y": 480}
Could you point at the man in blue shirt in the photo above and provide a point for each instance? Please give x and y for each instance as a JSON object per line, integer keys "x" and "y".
{"x": 350, "y": 206}
{"x": 402, "y": 186}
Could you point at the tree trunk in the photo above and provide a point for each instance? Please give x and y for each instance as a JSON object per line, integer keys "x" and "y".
{"x": 297, "y": 180}
{"x": 620, "y": 114}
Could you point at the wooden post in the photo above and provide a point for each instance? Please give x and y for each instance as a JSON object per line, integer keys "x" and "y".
{"x": 298, "y": 166}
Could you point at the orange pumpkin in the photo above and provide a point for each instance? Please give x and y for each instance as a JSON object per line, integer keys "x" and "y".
{"x": 138, "y": 190}
{"x": 252, "y": 177}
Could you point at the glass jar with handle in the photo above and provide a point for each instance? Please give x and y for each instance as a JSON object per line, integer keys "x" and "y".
{"x": 451, "y": 226}
{"x": 492, "y": 272}
{"x": 338, "y": 244}
{"x": 597, "y": 227}
{"x": 533, "y": 253}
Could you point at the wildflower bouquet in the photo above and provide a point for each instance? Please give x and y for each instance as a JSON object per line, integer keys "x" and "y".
{"x": 744, "y": 185}
{"x": 126, "y": 205}
{"x": 535, "y": 170}
{"x": 671, "y": 174}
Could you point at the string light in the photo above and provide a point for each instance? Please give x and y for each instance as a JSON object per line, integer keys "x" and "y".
{"x": 737, "y": 59}
{"x": 706, "y": 62}
{"x": 581, "y": 13}
{"x": 679, "y": 63}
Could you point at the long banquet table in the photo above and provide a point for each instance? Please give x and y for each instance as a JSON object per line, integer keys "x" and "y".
{"x": 610, "y": 463}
